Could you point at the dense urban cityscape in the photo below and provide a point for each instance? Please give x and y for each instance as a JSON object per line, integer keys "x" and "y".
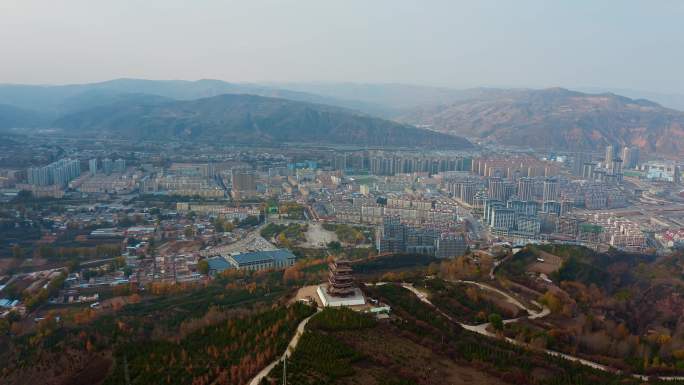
{"x": 90, "y": 223}
{"x": 341, "y": 193}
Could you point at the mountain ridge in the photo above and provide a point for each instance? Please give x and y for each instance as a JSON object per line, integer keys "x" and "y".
{"x": 553, "y": 118}
{"x": 57, "y": 100}
{"x": 557, "y": 118}
{"x": 251, "y": 119}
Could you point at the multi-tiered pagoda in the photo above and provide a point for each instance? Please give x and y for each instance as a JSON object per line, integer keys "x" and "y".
{"x": 340, "y": 290}
{"x": 340, "y": 279}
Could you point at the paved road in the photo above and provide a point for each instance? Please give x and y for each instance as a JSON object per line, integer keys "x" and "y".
{"x": 290, "y": 348}
{"x": 482, "y": 330}
{"x": 510, "y": 299}
{"x": 500, "y": 262}
{"x": 479, "y": 329}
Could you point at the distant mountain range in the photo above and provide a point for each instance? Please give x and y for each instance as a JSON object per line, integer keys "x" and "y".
{"x": 392, "y": 99}
{"x": 557, "y": 118}
{"x": 207, "y": 110}
{"x": 341, "y": 113}
{"x": 387, "y": 100}
{"x": 55, "y": 101}
{"x": 249, "y": 119}
{"x": 669, "y": 100}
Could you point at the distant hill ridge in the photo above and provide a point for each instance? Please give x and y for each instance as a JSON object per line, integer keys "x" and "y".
{"x": 62, "y": 99}
{"x": 558, "y": 118}
{"x": 249, "y": 119}
{"x": 554, "y": 118}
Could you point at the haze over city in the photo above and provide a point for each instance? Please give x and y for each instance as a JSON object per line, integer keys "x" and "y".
{"x": 341, "y": 192}
{"x": 608, "y": 44}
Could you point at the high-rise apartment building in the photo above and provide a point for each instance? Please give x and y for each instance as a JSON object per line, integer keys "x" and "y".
{"x": 58, "y": 173}
{"x": 630, "y": 157}
{"x": 526, "y": 189}
{"x": 530, "y": 225}
{"x": 465, "y": 190}
{"x": 552, "y": 207}
{"x": 397, "y": 237}
{"x": 107, "y": 166}
{"x": 588, "y": 171}
{"x": 610, "y": 155}
{"x": 578, "y": 163}
{"x": 340, "y": 162}
{"x": 510, "y": 189}
{"x": 468, "y": 190}
{"x": 616, "y": 169}
{"x": 243, "y": 182}
{"x": 120, "y": 165}
{"x": 551, "y": 190}
{"x": 496, "y": 189}
{"x": 92, "y": 166}
{"x": 450, "y": 245}
{"x": 529, "y": 208}
{"x": 503, "y": 218}
{"x": 633, "y": 158}
{"x": 626, "y": 155}
{"x": 489, "y": 206}
{"x": 391, "y": 237}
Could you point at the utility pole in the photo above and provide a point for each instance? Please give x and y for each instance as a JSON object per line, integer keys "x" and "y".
{"x": 284, "y": 370}
{"x": 127, "y": 378}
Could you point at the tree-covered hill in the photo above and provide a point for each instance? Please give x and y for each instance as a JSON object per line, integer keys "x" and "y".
{"x": 249, "y": 119}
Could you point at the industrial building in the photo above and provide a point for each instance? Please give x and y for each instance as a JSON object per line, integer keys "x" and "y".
{"x": 262, "y": 260}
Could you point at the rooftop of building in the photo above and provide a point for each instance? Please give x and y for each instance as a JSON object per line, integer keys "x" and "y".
{"x": 254, "y": 256}
{"x": 218, "y": 264}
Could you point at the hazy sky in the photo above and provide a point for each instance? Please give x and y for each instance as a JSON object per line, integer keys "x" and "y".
{"x": 571, "y": 43}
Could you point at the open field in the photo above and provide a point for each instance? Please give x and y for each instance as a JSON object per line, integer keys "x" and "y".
{"x": 317, "y": 236}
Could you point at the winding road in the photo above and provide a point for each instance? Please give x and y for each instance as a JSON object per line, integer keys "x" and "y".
{"x": 534, "y": 314}
{"x": 480, "y": 329}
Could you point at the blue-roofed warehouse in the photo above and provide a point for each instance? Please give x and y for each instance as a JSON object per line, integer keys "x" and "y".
{"x": 263, "y": 260}
{"x": 218, "y": 265}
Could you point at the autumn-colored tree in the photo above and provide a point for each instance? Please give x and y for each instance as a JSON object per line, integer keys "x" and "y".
{"x": 473, "y": 294}
{"x": 678, "y": 354}
{"x": 84, "y": 316}
{"x": 622, "y": 331}
{"x": 122, "y": 290}
{"x": 551, "y": 301}
{"x": 433, "y": 269}
{"x": 292, "y": 274}
{"x": 134, "y": 298}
